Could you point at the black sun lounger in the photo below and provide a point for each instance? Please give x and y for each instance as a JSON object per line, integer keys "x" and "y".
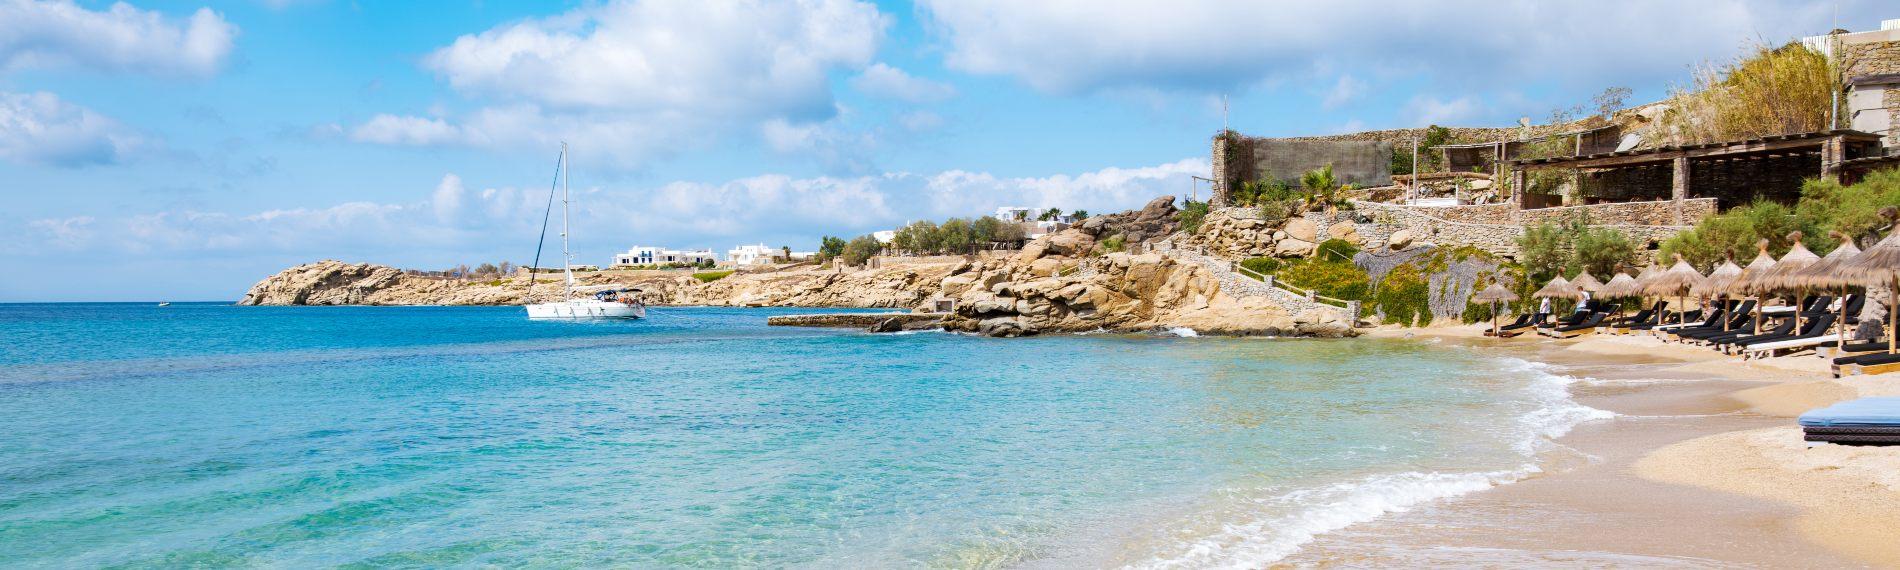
{"x": 1588, "y": 326}
{"x": 1782, "y": 329}
{"x": 1816, "y": 327}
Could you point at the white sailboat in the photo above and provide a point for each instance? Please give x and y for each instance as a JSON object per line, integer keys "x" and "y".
{"x": 611, "y": 303}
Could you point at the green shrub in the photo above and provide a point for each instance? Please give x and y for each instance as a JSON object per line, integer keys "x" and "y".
{"x": 711, "y": 276}
{"x": 1114, "y": 244}
{"x": 1337, "y": 279}
{"x": 861, "y": 249}
{"x": 1262, "y": 265}
{"x": 1550, "y": 249}
{"x": 1276, "y": 212}
{"x": 1336, "y": 250}
{"x": 1191, "y": 216}
{"x": 1853, "y": 210}
{"x": 1738, "y": 229}
{"x": 1404, "y": 297}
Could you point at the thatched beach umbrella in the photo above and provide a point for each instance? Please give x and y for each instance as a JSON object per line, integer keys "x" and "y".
{"x": 1797, "y": 259}
{"x": 1584, "y": 282}
{"x": 1881, "y": 264}
{"x": 1494, "y": 294}
{"x": 1754, "y": 270}
{"x": 1675, "y": 282}
{"x": 1719, "y": 281}
{"x": 1622, "y": 285}
{"x": 1826, "y": 273}
{"x": 1558, "y": 287}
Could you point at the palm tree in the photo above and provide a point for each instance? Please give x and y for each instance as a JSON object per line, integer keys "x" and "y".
{"x": 1320, "y": 184}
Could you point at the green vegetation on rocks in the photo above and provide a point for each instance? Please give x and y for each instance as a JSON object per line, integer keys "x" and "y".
{"x": 711, "y": 276}
{"x": 1191, "y": 216}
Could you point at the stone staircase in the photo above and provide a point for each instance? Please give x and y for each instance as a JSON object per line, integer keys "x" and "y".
{"x": 1240, "y": 284}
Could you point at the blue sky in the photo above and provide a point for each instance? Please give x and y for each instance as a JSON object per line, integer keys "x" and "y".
{"x": 183, "y": 150}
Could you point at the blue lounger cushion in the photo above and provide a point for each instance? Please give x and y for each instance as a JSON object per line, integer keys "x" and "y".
{"x": 1861, "y": 412}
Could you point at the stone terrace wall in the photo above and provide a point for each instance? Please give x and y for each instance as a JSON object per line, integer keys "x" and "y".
{"x": 1657, "y": 213}
{"x": 1425, "y": 224}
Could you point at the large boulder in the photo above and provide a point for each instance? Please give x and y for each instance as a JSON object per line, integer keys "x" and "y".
{"x": 955, "y": 285}
{"x": 1001, "y": 327}
{"x": 1291, "y": 247}
{"x": 1302, "y": 229}
{"x": 1322, "y": 322}
{"x": 1348, "y": 232}
{"x": 1400, "y": 240}
{"x": 1070, "y": 242}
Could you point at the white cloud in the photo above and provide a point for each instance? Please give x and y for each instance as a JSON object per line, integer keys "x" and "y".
{"x": 452, "y": 223}
{"x": 59, "y": 33}
{"x": 39, "y": 128}
{"x": 630, "y": 79}
{"x": 751, "y": 58}
{"x": 1069, "y": 46}
{"x": 920, "y": 121}
{"x": 1345, "y": 90}
{"x": 882, "y": 80}
{"x": 622, "y": 140}
{"x": 1423, "y": 110}
{"x": 405, "y": 130}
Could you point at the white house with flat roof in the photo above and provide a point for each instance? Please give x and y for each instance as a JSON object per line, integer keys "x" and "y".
{"x": 656, "y": 255}
{"x": 752, "y": 254}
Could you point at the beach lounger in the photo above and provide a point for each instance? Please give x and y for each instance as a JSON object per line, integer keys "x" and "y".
{"x": 1785, "y": 328}
{"x": 1522, "y": 321}
{"x": 1516, "y": 329}
{"x": 1643, "y": 317}
{"x": 1667, "y": 319}
{"x": 1865, "y": 421}
{"x": 1587, "y": 327}
{"x": 1738, "y": 322}
{"x": 1853, "y": 348}
{"x": 1873, "y": 363}
{"x": 1813, "y": 333}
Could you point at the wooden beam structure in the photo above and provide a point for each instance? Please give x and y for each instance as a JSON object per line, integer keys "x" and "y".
{"x": 1810, "y": 142}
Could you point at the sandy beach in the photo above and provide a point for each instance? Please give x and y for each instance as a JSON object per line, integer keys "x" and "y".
{"x": 1702, "y": 466}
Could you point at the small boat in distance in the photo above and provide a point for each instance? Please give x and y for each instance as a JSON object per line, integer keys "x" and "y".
{"x": 164, "y": 303}
{"x": 607, "y": 304}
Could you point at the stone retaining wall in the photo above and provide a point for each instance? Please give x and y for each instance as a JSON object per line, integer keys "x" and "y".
{"x": 1658, "y": 213}
{"x": 1496, "y": 238}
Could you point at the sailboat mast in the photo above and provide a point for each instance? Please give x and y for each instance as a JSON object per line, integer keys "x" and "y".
{"x": 567, "y": 257}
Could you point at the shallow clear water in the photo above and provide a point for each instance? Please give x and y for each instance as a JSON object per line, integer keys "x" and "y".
{"x": 212, "y": 435}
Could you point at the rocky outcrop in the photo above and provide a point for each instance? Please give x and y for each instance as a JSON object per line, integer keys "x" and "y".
{"x": 337, "y": 283}
{"x": 1071, "y": 281}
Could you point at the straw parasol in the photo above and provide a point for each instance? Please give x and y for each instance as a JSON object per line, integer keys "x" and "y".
{"x": 1493, "y": 294}
{"x": 1754, "y": 270}
{"x": 1585, "y": 282}
{"x": 1797, "y": 259}
{"x": 1558, "y": 287}
{"x": 1622, "y": 285}
{"x": 1719, "y": 281}
{"x": 1675, "y": 282}
{"x": 1826, "y": 274}
{"x": 1881, "y": 264}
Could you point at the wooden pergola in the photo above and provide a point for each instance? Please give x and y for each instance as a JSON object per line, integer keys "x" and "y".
{"x": 1831, "y": 149}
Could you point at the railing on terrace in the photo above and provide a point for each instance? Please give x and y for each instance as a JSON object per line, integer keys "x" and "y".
{"x": 1350, "y": 306}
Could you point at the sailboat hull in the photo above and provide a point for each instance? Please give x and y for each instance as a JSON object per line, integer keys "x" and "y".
{"x": 585, "y": 309}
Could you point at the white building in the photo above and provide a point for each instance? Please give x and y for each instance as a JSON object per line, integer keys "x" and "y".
{"x": 747, "y": 255}
{"x": 1014, "y": 213}
{"x": 656, "y": 255}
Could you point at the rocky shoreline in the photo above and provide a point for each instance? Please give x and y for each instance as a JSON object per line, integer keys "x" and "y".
{"x": 1076, "y": 280}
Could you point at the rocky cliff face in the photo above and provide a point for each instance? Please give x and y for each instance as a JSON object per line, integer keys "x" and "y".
{"x": 1064, "y": 282}
{"x": 337, "y": 283}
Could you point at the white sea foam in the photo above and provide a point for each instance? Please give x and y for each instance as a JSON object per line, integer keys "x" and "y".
{"x": 1183, "y": 332}
{"x": 1301, "y": 516}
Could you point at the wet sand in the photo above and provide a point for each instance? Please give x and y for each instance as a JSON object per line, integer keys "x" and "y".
{"x": 1702, "y": 467}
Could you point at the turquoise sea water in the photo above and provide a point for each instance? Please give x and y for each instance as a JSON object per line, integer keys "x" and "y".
{"x": 211, "y": 435}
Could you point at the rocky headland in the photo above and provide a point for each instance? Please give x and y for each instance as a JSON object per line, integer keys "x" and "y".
{"x": 1077, "y": 280}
